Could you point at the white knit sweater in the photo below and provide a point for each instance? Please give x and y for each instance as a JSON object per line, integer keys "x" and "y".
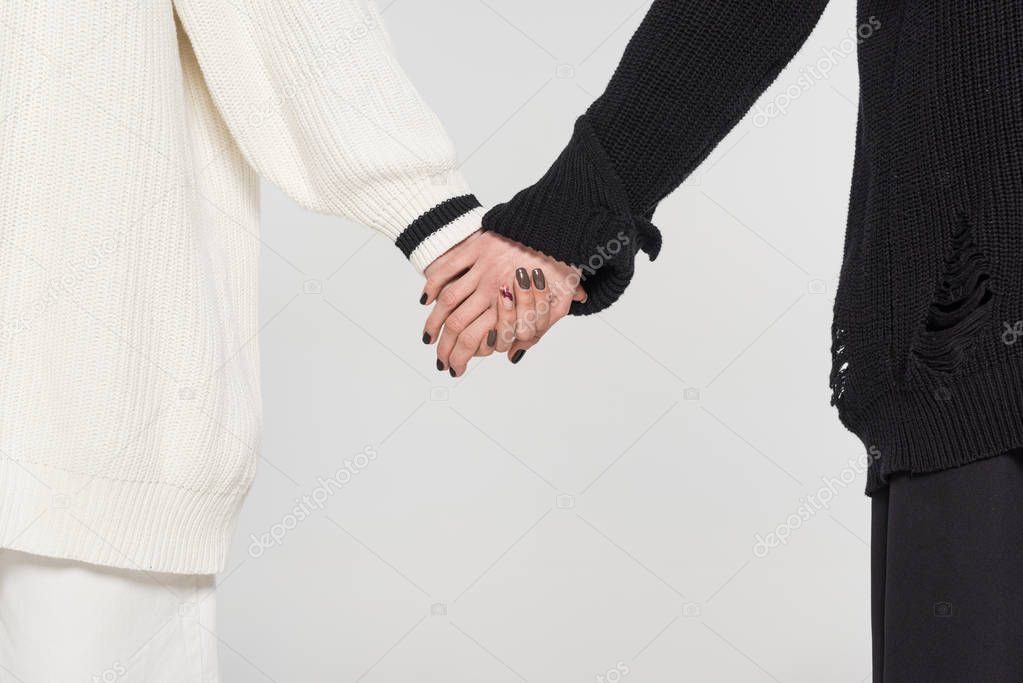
{"x": 132, "y": 135}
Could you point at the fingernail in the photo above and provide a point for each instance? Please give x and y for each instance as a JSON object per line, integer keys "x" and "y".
{"x": 453, "y": 373}
{"x": 426, "y": 337}
{"x": 506, "y": 297}
{"x": 523, "y": 277}
{"x": 440, "y": 365}
{"x": 492, "y": 338}
{"x": 518, "y": 355}
{"x": 538, "y": 279}
{"x": 422, "y": 299}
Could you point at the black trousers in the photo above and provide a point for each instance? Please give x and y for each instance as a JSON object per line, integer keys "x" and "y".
{"x": 947, "y": 575}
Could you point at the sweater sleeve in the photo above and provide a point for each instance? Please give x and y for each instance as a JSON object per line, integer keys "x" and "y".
{"x": 317, "y": 102}
{"x": 689, "y": 74}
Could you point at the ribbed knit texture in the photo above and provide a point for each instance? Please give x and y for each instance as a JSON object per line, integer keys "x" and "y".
{"x": 129, "y": 243}
{"x": 601, "y": 234}
{"x": 928, "y": 326}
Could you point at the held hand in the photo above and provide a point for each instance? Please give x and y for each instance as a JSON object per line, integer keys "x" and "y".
{"x": 482, "y": 306}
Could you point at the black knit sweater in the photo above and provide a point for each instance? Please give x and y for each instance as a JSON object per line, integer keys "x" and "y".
{"x": 927, "y": 369}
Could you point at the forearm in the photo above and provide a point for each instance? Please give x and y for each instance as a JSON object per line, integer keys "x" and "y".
{"x": 316, "y": 100}
{"x": 688, "y": 76}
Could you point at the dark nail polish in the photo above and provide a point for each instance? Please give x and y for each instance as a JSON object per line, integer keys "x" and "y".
{"x": 492, "y": 338}
{"x": 422, "y": 299}
{"x": 426, "y": 337}
{"x": 452, "y": 371}
{"x": 440, "y": 365}
{"x": 518, "y": 355}
{"x": 523, "y": 278}
{"x": 538, "y": 279}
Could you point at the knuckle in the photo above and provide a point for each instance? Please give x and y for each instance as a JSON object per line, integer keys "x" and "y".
{"x": 449, "y": 297}
{"x": 455, "y": 323}
{"x": 468, "y": 343}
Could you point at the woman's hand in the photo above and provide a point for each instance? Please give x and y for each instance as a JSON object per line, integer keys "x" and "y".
{"x": 493, "y": 294}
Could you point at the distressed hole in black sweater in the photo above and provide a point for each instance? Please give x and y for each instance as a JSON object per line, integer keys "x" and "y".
{"x": 839, "y": 364}
{"x": 960, "y": 307}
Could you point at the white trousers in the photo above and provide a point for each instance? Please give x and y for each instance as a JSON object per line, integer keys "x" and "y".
{"x": 68, "y": 622}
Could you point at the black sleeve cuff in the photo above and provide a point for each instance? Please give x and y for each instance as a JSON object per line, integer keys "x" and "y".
{"x": 579, "y": 213}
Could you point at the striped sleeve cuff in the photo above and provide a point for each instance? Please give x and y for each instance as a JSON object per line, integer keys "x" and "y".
{"x": 439, "y": 229}
{"x": 423, "y": 216}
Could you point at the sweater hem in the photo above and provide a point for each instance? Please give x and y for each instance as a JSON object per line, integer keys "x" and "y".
{"x": 142, "y": 526}
{"x": 969, "y": 418}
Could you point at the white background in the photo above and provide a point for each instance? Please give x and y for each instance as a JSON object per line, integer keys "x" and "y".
{"x": 596, "y": 506}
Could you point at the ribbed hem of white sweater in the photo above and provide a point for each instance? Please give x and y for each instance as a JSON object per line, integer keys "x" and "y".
{"x": 147, "y": 526}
